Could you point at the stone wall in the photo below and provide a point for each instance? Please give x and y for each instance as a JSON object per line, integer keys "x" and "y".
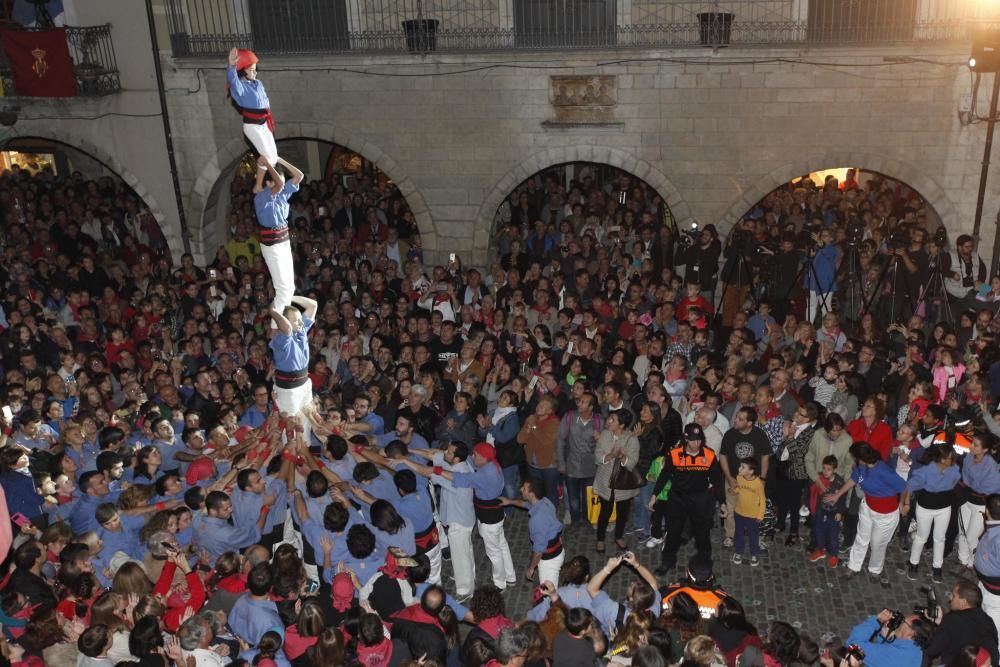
{"x": 711, "y": 131}
{"x": 712, "y": 135}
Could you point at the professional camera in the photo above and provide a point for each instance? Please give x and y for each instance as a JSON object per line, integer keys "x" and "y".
{"x": 887, "y": 629}
{"x": 854, "y": 651}
{"x": 930, "y": 609}
{"x": 855, "y": 232}
{"x": 689, "y": 236}
{"x": 804, "y": 239}
{"x": 940, "y": 238}
{"x": 741, "y": 239}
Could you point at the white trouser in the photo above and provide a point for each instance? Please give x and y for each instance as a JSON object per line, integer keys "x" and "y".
{"x": 928, "y": 520}
{"x": 815, "y": 300}
{"x": 874, "y": 529}
{"x": 548, "y": 570}
{"x": 434, "y": 556}
{"x": 498, "y": 552}
{"x": 459, "y": 538}
{"x": 991, "y": 605}
{"x": 263, "y": 140}
{"x": 280, "y": 265}
{"x": 970, "y": 527}
{"x": 292, "y": 401}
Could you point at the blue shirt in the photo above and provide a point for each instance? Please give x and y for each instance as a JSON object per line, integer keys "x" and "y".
{"x": 253, "y": 417}
{"x": 291, "y": 353}
{"x": 363, "y": 568}
{"x": 605, "y": 610}
{"x": 382, "y": 487}
{"x": 168, "y": 450}
{"x": 272, "y": 210}
{"x": 86, "y": 460}
{"x": 249, "y": 619}
{"x": 376, "y": 422}
{"x": 543, "y": 525}
{"x": 217, "y": 536}
{"x": 122, "y": 540}
{"x": 460, "y": 609}
{"x": 455, "y": 505}
{"x": 417, "y": 441}
{"x": 402, "y": 539}
{"x": 246, "y": 93}
{"x": 988, "y": 552}
{"x": 82, "y": 519}
{"x": 879, "y": 481}
{"x": 573, "y": 595}
{"x": 486, "y": 482}
{"x": 932, "y": 479}
{"x": 416, "y": 509}
{"x": 982, "y": 477}
{"x": 899, "y": 653}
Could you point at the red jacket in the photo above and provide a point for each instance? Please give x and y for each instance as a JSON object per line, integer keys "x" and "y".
{"x": 879, "y": 436}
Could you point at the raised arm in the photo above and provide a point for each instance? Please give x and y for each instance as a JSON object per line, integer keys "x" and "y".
{"x": 597, "y": 581}
{"x": 310, "y": 306}
{"x": 641, "y": 570}
{"x": 283, "y": 324}
{"x": 297, "y": 174}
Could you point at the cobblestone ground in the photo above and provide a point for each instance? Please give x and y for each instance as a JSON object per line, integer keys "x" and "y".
{"x": 786, "y": 586}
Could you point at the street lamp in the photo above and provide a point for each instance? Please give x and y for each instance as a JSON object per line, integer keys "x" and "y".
{"x": 985, "y": 59}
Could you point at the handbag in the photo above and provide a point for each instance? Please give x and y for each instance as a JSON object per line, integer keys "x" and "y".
{"x": 623, "y": 479}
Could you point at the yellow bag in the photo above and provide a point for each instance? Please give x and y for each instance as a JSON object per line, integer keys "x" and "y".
{"x": 594, "y": 507}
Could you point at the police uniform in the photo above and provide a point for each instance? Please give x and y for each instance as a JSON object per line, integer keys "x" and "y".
{"x": 706, "y": 597}
{"x": 697, "y": 481}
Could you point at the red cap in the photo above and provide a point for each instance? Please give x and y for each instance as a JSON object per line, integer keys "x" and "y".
{"x": 485, "y": 450}
{"x": 343, "y": 591}
{"x": 242, "y": 433}
{"x": 245, "y": 58}
{"x": 201, "y": 468}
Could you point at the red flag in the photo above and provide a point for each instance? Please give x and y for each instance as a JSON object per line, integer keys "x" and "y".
{"x": 40, "y": 62}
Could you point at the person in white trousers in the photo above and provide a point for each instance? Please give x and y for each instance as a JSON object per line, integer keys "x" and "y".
{"x": 879, "y": 514}
{"x": 544, "y": 529}
{"x": 934, "y": 483}
{"x": 987, "y": 561}
{"x": 271, "y": 195}
{"x": 981, "y": 478}
{"x": 248, "y": 96}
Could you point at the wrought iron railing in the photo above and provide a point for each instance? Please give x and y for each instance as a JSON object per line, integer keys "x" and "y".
{"x": 92, "y": 53}
{"x": 211, "y": 27}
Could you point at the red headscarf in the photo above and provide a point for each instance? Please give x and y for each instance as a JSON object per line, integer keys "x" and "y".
{"x": 343, "y": 591}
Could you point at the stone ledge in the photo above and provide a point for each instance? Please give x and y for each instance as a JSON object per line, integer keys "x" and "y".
{"x": 583, "y": 127}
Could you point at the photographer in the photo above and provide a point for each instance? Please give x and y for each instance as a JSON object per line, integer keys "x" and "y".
{"x": 912, "y": 270}
{"x": 785, "y": 264}
{"x": 820, "y": 277}
{"x": 966, "y": 623}
{"x": 737, "y": 271}
{"x": 964, "y": 274}
{"x": 701, "y": 259}
{"x": 891, "y": 639}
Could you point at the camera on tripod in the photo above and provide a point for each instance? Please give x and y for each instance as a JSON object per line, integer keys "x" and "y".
{"x": 940, "y": 238}
{"x": 855, "y": 232}
{"x": 741, "y": 239}
{"x": 931, "y": 608}
{"x": 688, "y": 236}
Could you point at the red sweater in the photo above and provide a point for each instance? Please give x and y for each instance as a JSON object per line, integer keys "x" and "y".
{"x": 879, "y": 436}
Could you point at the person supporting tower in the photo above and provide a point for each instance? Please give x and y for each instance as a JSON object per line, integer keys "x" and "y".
{"x": 250, "y": 99}
{"x": 271, "y": 194}
{"x": 290, "y": 345}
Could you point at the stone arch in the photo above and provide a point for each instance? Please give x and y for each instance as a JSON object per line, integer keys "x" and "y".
{"x": 70, "y": 141}
{"x": 900, "y": 170}
{"x": 213, "y": 173}
{"x": 550, "y": 157}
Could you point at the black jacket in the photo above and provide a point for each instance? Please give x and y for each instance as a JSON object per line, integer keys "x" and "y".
{"x": 958, "y": 628}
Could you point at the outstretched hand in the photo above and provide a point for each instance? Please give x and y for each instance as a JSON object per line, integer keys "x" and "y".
{"x": 234, "y": 56}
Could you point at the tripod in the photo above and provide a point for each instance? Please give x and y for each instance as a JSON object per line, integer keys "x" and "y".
{"x": 893, "y": 265}
{"x": 740, "y": 265}
{"x": 935, "y": 281}
{"x": 854, "y": 293}
{"x": 809, "y": 265}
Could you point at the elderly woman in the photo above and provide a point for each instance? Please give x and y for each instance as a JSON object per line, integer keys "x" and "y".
{"x": 618, "y": 447}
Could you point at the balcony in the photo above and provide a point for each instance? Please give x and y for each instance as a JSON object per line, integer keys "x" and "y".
{"x": 209, "y": 28}
{"x": 92, "y": 54}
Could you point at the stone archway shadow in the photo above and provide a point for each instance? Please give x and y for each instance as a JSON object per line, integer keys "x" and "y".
{"x": 226, "y": 157}
{"x": 900, "y": 170}
{"x": 551, "y": 157}
{"x": 109, "y": 161}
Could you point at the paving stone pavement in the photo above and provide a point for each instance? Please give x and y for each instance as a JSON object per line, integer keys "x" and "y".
{"x": 786, "y": 586}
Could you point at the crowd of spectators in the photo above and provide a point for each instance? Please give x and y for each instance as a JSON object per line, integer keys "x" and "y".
{"x": 618, "y": 370}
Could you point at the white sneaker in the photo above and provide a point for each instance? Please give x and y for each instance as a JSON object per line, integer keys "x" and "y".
{"x": 737, "y": 559}
{"x": 727, "y": 543}
{"x": 754, "y": 561}
{"x": 654, "y": 542}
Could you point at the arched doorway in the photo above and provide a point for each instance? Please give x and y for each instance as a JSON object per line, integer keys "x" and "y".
{"x": 83, "y": 176}
{"x": 333, "y": 174}
{"x": 586, "y": 205}
{"x": 862, "y": 217}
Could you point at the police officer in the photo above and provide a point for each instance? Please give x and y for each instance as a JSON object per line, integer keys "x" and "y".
{"x": 695, "y": 474}
{"x": 700, "y": 585}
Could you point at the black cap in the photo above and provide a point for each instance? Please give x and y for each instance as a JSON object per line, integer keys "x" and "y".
{"x": 694, "y": 432}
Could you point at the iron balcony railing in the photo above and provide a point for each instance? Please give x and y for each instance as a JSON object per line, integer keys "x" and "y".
{"x": 92, "y": 53}
{"x": 201, "y": 28}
